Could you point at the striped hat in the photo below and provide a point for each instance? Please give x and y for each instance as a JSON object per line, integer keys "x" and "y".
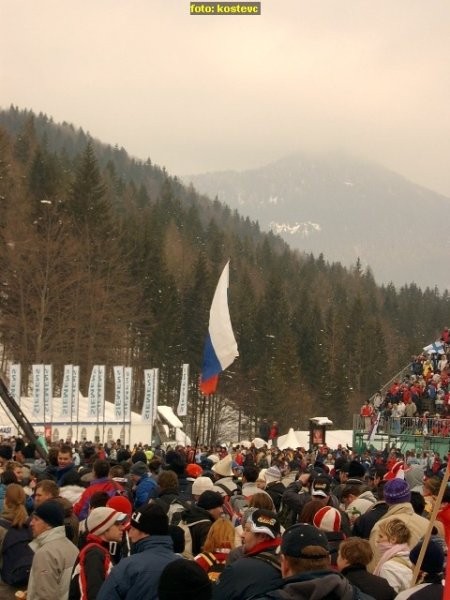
{"x": 101, "y": 519}
{"x": 327, "y": 518}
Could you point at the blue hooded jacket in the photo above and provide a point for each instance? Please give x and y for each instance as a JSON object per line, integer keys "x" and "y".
{"x": 137, "y": 577}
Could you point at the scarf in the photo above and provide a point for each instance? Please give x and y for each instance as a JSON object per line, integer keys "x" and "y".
{"x": 393, "y": 551}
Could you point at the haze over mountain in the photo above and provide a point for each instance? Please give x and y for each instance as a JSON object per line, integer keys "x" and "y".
{"x": 345, "y": 208}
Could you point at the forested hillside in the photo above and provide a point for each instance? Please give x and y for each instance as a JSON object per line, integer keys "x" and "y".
{"x": 109, "y": 260}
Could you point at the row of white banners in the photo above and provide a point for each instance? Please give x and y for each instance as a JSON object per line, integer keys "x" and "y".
{"x": 42, "y": 405}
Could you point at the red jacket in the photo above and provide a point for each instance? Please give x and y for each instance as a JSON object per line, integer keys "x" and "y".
{"x": 105, "y": 484}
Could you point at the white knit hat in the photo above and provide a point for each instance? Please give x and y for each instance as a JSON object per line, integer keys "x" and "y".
{"x": 200, "y": 485}
{"x": 272, "y": 474}
{"x": 101, "y": 519}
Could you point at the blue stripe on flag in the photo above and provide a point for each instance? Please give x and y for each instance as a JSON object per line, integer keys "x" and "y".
{"x": 211, "y": 365}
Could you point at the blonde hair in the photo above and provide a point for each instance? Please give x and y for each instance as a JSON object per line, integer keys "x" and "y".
{"x": 220, "y": 535}
{"x": 14, "y": 505}
{"x": 395, "y": 530}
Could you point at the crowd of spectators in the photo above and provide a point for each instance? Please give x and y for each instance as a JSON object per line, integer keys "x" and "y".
{"x": 107, "y": 522}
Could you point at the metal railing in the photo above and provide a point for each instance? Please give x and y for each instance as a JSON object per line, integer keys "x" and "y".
{"x": 402, "y": 426}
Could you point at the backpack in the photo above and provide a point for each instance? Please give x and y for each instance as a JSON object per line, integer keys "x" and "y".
{"x": 16, "y": 555}
{"x": 286, "y": 515}
{"x": 188, "y": 536}
{"x": 176, "y": 509}
{"x": 216, "y": 566}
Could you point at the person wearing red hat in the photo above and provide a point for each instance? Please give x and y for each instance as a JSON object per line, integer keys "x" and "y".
{"x": 123, "y": 549}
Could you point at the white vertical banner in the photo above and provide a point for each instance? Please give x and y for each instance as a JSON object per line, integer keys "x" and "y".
{"x": 75, "y": 390}
{"x": 182, "y": 403}
{"x": 15, "y": 382}
{"x": 48, "y": 392}
{"x": 155, "y": 395}
{"x": 38, "y": 391}
{"x": 128, "y": 377}
{"x": 147, "y": 406}
{"x": 93, "y": 393}
{"x": 66, "y": 392}
{"x": 119, "y": 393}
{"x": 101, "y": 391}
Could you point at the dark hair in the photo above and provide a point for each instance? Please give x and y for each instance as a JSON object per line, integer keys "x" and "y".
{"x": 101, "y": 468}
{"x": 168, "y": 480}
{"x": 98, "y": 499}
{"x": 139, "y": 456}
{"x": 309, "y": 510}
{"x": 418, "y": 503}
{"x": 65, "y": 449}
{"x": 154, "y": 465}
{"x": 250, "y": 473}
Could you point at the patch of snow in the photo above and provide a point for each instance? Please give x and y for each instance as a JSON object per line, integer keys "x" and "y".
{"x": 303, "y": 229}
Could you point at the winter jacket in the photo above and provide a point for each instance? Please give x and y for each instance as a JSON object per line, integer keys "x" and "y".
{"x": 64, "y": 475}
{"x": 54, "y": 557}
{"x": 364, "y": 524}
{"x": 316, "y": 585}
{"x": 104, "y": 484}
{"x": 137, "y": 577}
{"x": 249, "y": 575}
{"x": 404, "y": 511}
{"x": 91, "y": 568}
{"x": 146, "y": 488}
{"x": 374, "y": 585}
{"x": 200, "y": 521}
{"x": 276, "y": 491}
{"x": 431, "y": 588}
{"x": 398, "y": 571}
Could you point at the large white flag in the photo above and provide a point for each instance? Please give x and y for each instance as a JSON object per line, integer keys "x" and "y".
{"x": 66, "y": 392}
{"x": 75, "y": 390}
{"x": 48, "y": 392}
{"x": 182, "y": 403}
{"x": 149, "y": 394}
{"x": 15, "y": 382}
{"x": 38, "y": 391}
{"x": 155, "y": 394}
{"x": 220, "y": 345}
{"x": 119, "y": 395}
{"x": 128, "y": 376}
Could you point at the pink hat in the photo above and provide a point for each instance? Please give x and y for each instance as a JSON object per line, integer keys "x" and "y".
{"x": 327, "y": 518}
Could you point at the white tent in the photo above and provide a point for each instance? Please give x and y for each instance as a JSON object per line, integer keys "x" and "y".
{"x": 83, "y": 427}
{"x": 300, "y": 439}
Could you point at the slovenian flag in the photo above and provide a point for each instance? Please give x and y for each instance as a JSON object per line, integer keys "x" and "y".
{"x": 435, "y": 348}
{"x": 220, "y": 345}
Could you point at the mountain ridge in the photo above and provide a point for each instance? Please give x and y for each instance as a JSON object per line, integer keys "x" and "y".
{"x": 349, "y": 208}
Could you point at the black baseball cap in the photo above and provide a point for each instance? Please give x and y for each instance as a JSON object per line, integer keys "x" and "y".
{"x": 299, "y": 536}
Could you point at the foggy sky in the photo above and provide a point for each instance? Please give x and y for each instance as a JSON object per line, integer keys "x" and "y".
{"x": 198, "y": 93}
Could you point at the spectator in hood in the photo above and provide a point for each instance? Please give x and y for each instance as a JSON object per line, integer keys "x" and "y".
{"x": 305, "y": 568}
{"x": 137, "y": 577}
{"x": 145, "y": 487}
{"x": 259, "y": 568}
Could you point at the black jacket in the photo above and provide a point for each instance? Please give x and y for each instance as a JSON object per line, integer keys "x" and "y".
{"x": 374, "y": 585}
{"x": 276, "y": 491}
{"x": 364, "y": 524}
{"x": 246, "y": 577}
{"x": 327, "y": 585}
